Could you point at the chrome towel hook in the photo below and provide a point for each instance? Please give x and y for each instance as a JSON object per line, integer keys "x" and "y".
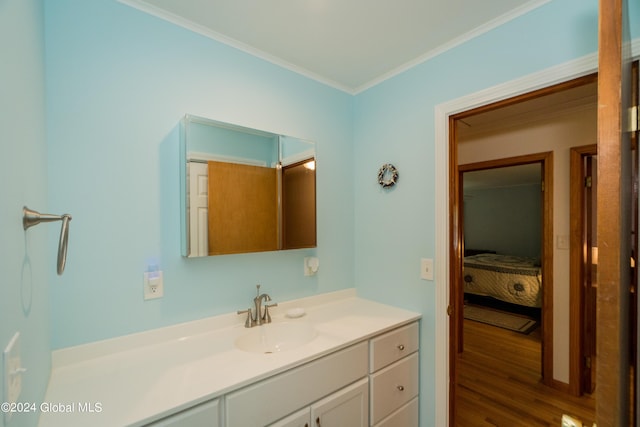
{"x": 31, "y": 218}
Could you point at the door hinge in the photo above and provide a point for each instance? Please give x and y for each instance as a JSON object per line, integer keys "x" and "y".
{"x": 449, "y": 310}
{"x": 587, "y": 182}
{"x": 633, "y": 119}
{"x": 587, "y": 362}
{"x": 542, "y": 186}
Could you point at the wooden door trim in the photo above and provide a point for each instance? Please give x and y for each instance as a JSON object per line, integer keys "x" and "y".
{"x": 612, "y": 376}
{"x": 546, "y": 161}
{"x": 454, "y": 243}
{"x": 446, "y": 157}
{"x": 538, "y": 93}
{"x": 576, "y": 219}
{"x": 455, "y": 269}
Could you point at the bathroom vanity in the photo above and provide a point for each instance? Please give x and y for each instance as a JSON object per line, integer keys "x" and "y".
{"x": 346, "y": 361}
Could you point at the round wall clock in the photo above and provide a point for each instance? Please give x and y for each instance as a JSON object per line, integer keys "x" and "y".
{"x": 387, "y": 175}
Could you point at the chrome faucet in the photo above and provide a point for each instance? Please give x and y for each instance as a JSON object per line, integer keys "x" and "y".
{"x": 260, "y": 313}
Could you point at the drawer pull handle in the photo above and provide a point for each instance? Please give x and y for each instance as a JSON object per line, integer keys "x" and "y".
{"x": 401, "y": 347}
{"x": 318, "y": 421}
{"x": 401, "y": 387}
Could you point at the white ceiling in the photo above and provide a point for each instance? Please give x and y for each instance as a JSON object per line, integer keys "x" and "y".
{"x": 348, "y": 44}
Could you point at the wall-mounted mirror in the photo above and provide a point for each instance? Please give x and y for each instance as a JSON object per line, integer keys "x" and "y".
{"x": 245, "y": 190}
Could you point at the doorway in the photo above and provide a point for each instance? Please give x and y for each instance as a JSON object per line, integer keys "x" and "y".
{"x": 556, "y": 244}
{"x": 505, "y": 212}
{"x": 584, "y": 265}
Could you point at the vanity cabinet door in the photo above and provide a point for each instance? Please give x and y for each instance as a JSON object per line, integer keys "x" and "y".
{"x": 347, "y": 407}
{"x": 204, "y": 415}
{"x": 299, "y": 419}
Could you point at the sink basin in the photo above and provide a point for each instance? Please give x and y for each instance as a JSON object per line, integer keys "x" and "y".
{"x": 275, "y": 337}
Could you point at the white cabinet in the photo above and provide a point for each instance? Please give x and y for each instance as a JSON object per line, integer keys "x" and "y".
{"x": 393, "y": 386}
{"x": 204, "y": 415}
{"x": 394, "y": 378}
{"x": 389, "y": 398}
{"x": 373, "y": 382}
{"x": 347, "y": 407}
{"x": 406, "y": 416}
{"x": 299, "y": 419}
{"x": 387, "y": 348}
{"x": 267, "y": 401}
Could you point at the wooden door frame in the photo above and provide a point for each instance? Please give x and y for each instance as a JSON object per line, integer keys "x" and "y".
{"x": 546, "y": 163}
{"x": 576, "y": 294}
{"x": 613, "y": 210}
{"x": 454, "y": 242}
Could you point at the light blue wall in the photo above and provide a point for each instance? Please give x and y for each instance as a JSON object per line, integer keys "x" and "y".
{"x": 24, "y": 260}
{"x": 118, "y": 83}
{"x": 394, "y": 122}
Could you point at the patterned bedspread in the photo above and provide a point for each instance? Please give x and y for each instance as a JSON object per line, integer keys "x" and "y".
{"x": 513, "y": 279}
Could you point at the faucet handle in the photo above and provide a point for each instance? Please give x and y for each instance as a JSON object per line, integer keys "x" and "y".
{"x": 267, "y": 316}
{"x": 249, "y": 322}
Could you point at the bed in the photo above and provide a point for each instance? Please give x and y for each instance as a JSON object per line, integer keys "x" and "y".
{"x": 516, "y": 280}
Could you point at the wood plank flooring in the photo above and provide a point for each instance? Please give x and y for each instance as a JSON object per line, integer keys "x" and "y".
{"x": 500, "y": 383}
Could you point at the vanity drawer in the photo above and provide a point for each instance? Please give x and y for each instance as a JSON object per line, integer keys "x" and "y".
{"x": 393, "y": 387}
{"x": 407, "y": 416}
{"x": 265, "y": 402}
{"x": 393, "y": 346}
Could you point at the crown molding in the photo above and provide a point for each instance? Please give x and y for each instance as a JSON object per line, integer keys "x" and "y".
{"x": 206, "y": 32}
{"x": 199, "y": 29}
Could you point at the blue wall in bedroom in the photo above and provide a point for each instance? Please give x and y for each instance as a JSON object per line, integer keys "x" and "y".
{"x": 24, "y": 260}
{"x": 118, "y": 83}
{"x": 505, "y": 219}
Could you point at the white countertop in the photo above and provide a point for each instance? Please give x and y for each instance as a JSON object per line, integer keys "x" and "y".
{"x": 139, "y": 378}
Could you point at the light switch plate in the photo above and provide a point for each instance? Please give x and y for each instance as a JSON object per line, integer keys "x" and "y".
{"x": 426, "y": 269}
{"x": 12, "y": 373}
{"x": 562, "y": 241}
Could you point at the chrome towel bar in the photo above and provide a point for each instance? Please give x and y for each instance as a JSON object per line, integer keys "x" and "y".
{"x": 31, "y": 218}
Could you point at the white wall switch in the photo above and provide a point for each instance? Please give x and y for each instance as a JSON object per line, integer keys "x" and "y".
{"x": 153, "y": 286}
{"x": 562, "y": 241}
{"x": 13, "y": 371}
{"x": 426, "y": 268}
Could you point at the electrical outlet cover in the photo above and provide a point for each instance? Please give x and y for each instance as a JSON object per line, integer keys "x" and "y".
{"x": 311, "y": 265}
{"x": 12, "y": 373}
{"x": 153, "y": 285}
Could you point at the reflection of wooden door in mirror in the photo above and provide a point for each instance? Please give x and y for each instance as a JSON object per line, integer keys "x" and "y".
{"x": 245, "y": 218}
{"x": 299, "y": 205}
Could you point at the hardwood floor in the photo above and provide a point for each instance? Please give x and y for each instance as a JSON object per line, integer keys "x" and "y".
{"x": 499, "y": 383}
